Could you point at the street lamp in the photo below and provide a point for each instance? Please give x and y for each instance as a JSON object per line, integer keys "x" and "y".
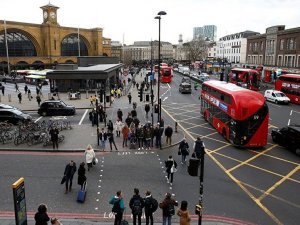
{"x": 159, "y": 14}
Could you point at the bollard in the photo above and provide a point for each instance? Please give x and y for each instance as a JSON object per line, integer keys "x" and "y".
{"x": 49, "y": 96}
{"x": 176, "y": 124}
{"x": 9, "y": 97}
{"x": 57, "y": 96}
{"x": 87, "y": 94}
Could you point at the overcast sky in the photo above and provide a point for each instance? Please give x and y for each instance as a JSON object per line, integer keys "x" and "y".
{"x": 134, "y": 19}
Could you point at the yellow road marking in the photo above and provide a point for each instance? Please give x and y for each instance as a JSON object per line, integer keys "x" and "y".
{"x": 279, "y": 182}
{"x": 265, "y": 209}
{"x": 251, "y": 159}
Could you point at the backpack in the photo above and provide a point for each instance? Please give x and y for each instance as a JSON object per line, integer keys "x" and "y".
{"x": 170, "y": 209}
{"x": 116, "y": 207}
{"x": 154, "y": 205}
{"x": 137, "y": 207}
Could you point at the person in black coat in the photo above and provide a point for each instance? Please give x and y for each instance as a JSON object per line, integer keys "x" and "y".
{"x": 41, "y": 217}
{"x": 136, "y": 205}
{"x": 110, "y": 126}
{"x": 168, "y": 134}
{"x": 69, "y": 173}
{"x": 54, "y": 136}
{"x": 120, "y": 114}
{"x": 81, "y": 175}
{"x": 170, "y": 166}
{"x": 147, "y": 109}
{"x": 184, "y": 150}
{"x": 111, "y": 140}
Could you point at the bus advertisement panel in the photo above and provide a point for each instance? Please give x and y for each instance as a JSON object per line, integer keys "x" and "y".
{"x": 239, "y": 114}
{"x": 247, "y": 78}
{"x": 290, "y": 85}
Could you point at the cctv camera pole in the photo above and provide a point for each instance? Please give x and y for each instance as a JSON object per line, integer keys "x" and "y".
{"x": 201, "y": 177}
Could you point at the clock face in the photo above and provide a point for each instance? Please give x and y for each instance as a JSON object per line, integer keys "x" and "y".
{"x": 52, "y": 14}
{"x": 45, "y": 15}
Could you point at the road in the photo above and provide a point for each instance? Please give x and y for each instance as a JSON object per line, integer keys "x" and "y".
{"x": 251, "y": 186}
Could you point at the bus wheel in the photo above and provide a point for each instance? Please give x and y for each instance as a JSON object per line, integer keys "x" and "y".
{"x": 224, "y": 134}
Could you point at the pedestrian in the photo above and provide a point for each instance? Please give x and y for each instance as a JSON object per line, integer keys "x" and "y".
{"x": 41, "y": 217}
{"x": 118, "y": 207}
{"x": 55, "y": 221}
{"x": 119, "y": 126}
{"x": 120, "y": 114}
{"x": 199, "y": 147}
{"x": 147, "y": 136}
{"x": 147, "y": 109}
{"x": 168, "y": 134}
{"x": 17, "y": 87}
{"x": 25, "y": 89}
{"x": 133, "y": 112}
{"x": 184, "y": 214}
{"x": 103, "y": 138}
{"x": 54, "y": 136}
{"x": 95, "y": 117}
{"x": 91, "y": 101}
{"x": 29, "y": 95}
{"x": 168, "y": 209}
{"x": 94, "y": 99}
{"x": 171, "y": 167}
{"x": 3, "y": 89}
{"x": 136, "y": 205}
{"x": 81, "y": 175}
{"x": 110, "y": 126}
{"x": 125, "y": 132}
{"x": 90, "y": 156}
{"x": 70, "y": 170}
{"x": 151, "y": 206}
{"x": 140, "y": 136}
{"x": 183, "y": 150}
{"x": 111, "y": 140}
{"x": 129, "y": 97}
{"x": 38, "y": 99}
{"x": 134, "y": 105}
{"x": 128, "y": 120}
{"x": 20, "y": 97}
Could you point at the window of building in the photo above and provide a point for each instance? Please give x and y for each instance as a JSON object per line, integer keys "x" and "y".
{"x": 18, "y": 45}
{"x": 261, "y": 46}
{"x": 250, "y": 46}
{"x": 69, "y": 46}
{"x": 281, "y": 44}
{"x": 54, "y": 44}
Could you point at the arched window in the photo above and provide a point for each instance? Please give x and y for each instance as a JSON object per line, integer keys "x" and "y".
{"x": 18, "y": 45}
{"x": 69, "y": 46}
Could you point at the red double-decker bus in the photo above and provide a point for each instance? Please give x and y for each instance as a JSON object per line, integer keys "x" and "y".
{"x": 247, "y": 78}
{"x": 166, "y": 74}
{"x": 290, "y": 85}
{"x": 239, "y": 114}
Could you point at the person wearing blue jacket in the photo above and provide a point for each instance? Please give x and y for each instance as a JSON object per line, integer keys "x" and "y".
{"x": 118, "y": 207}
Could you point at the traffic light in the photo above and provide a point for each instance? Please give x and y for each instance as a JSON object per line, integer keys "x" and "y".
{"x": 193, "y": 167}
{"x": 147, "y": 97}
{"x": 107, "y": 99}
{"x": 156, "y": 108}
{"x": 141, "y": 94}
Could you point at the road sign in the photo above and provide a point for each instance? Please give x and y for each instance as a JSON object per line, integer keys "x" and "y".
{"x": 20, "y": 202}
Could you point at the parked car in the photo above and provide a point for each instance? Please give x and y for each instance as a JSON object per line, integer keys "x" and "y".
{"x": 203, "y": 77}
{"x": 13, "y": 116}
{"x": 276, "y": 96}
{"x": 288, "y": 137}
{"x": 56, "y": 108}
{"x": 4, "y": 106}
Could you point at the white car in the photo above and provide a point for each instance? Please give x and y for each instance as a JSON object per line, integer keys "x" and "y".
{"x": 276, "y": 96}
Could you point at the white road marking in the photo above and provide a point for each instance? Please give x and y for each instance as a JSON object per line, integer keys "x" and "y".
{"x": 289, "y": 122}
{"x": 291, "y": 112}
{"x": 165, "y": 99}
{"x": 80, "y": 122}
{"x": 38, "y": 119}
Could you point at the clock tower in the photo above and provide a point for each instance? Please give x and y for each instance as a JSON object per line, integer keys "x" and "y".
{"x": 50, "y": 14}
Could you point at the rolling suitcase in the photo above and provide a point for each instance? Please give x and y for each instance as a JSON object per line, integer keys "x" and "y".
{"x": 82, "y": 194}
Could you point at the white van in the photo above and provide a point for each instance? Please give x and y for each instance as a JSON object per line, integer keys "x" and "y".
{"x": 276, "y": 96}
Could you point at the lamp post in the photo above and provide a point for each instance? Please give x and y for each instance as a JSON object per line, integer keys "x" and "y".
{"x": 159, "y": 14}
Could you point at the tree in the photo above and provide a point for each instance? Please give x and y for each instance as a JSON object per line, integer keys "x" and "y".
{"x": 196, "y": 49}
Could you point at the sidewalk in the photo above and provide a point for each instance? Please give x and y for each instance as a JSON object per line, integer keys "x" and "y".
{"x": 71, "y": 143}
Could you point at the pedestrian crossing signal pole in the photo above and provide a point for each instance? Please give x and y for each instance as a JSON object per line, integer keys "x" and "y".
{"x": 199, "y": 208}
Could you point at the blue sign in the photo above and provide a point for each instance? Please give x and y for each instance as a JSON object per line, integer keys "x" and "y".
{"x": 223, "y": 106}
